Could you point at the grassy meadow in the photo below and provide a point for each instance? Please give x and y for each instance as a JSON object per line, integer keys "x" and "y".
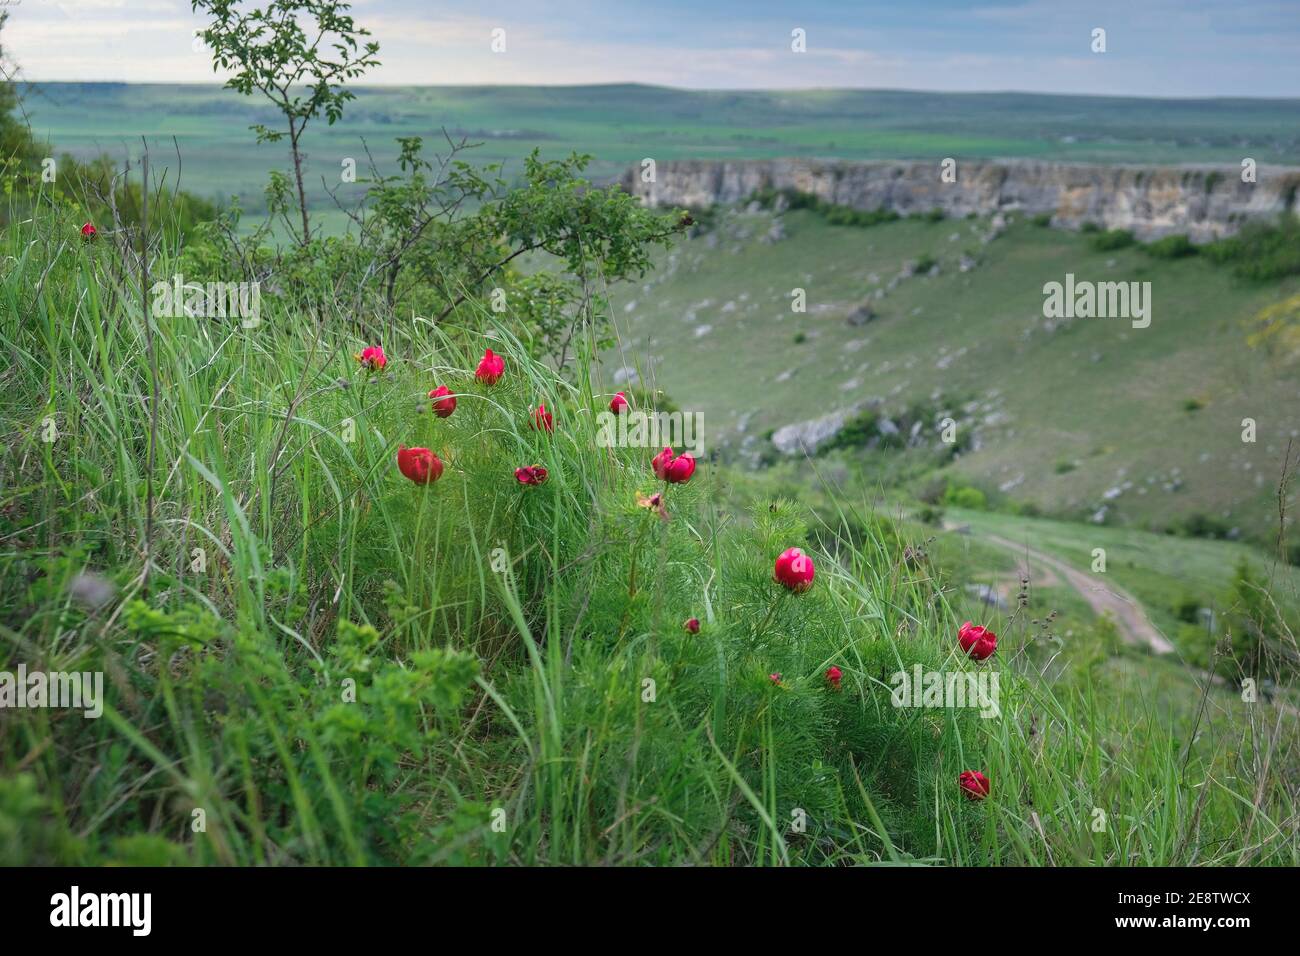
{"x": 367, "y": 671}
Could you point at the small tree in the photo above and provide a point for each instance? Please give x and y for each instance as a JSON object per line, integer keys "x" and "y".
{"x": 297, "y": 53}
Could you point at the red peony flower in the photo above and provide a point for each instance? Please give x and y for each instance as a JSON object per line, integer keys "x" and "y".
{"x": 419, "y": 464}
{"x": 542, "y": 419}
{"x": 618, "y": 404}
{"x": 681, "y": 469}
{"x": 979, "y": 642}
{"x": 833, "y": 677}
{"x": 670, "y": 468}
{"x": 531, "y": 475}
{"x": 692, "y": 625}
{"x": 372, "y": 358}
{"x": 974, "y": 784}
{"x": 660, "y": 463}
{"x": 88, "y": 231}
{"x": 490, "y": 368}
{"x": 794, "y": 570}
{"x": 444, "y": 402}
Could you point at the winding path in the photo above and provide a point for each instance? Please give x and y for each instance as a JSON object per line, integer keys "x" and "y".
{"x": 1134, "y": 625}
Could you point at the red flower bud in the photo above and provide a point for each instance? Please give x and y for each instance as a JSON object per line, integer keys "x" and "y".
{"x": 775, "y": 678}
{"x": 542, "y": 419}
{"x": 530, "y": 475}
{"x": 979, "y": 642}
{"x": 88, "y": 231}
{"x": 419, "y": 464}
{"x": 618, "y": 404}
{"x": 372, "y": 358}
{"x": 490, "y": 368}
{"x": 444, "y": 401}
{"x": 833, "y": 677}
{"x": 974, "y": 784}
{"x": 692, "y": 625}
{"x": 794, "y": 570}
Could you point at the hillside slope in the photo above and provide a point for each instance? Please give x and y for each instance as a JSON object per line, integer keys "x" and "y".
{"x": 1086, "y": 418}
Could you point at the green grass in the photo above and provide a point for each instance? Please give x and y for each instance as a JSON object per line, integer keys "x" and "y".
{"x": 366, "y": 671}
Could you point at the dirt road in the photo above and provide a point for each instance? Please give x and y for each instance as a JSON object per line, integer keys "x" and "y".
{"x": 1134, "y": 625}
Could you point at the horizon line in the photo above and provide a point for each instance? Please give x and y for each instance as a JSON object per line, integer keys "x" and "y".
{"x": 218, "y": 84}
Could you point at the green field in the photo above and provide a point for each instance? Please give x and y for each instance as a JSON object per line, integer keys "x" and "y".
{"x": 620, "y": 125}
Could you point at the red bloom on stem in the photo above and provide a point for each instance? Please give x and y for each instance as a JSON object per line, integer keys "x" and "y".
{"x": 833, "y": 677}
{"x": 490, "y": 368}
{"x": 775, "y": 678}
{"x": 543, "y": 420}
{"x": 794, "y": 570}
{"x": 419, "y": 464}
{"x": 444, "y": 402}
{"x": 670, "y": 468}
{"x": 88, "y": 231}
{"x": 618, "y": 404}
{"x": 692, "y": 625}
{"x": 974, "y": 784}
{"x": 530, "y": 475}
{"x": 372, "y": 358}
{"x": 977, "y": 641}
{"x": 681, "y": 469}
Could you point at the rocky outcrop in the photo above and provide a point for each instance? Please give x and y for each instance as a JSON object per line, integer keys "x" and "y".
{"x": 1152, "y": 201}
{"x": 806, "y": 437}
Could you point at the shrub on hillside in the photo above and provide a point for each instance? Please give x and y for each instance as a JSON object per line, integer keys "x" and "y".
{"x": 1171, "y": 247}
{"x": 1111, "y": 239}
{"x": 1201, "y": 525}
{"x": 965, "y": 496}
{"x": 1261, "y": 251}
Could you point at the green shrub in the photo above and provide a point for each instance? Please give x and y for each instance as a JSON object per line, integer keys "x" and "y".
{"x": 1111, "y": 239}
{"x": 1200, "y": 525}
{"x": 1171, "y": 247}
{"x": 1261, "y": 252}
{"x": 966, "y": 496}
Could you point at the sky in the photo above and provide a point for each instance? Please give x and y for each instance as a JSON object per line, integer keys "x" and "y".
{"x": 1179, "y": 48}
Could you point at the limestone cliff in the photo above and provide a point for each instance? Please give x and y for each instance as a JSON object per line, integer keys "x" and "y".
{"x": 1203, "y": 202}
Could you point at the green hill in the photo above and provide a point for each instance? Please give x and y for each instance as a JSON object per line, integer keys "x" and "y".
{"x": 1087, "y": 418}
